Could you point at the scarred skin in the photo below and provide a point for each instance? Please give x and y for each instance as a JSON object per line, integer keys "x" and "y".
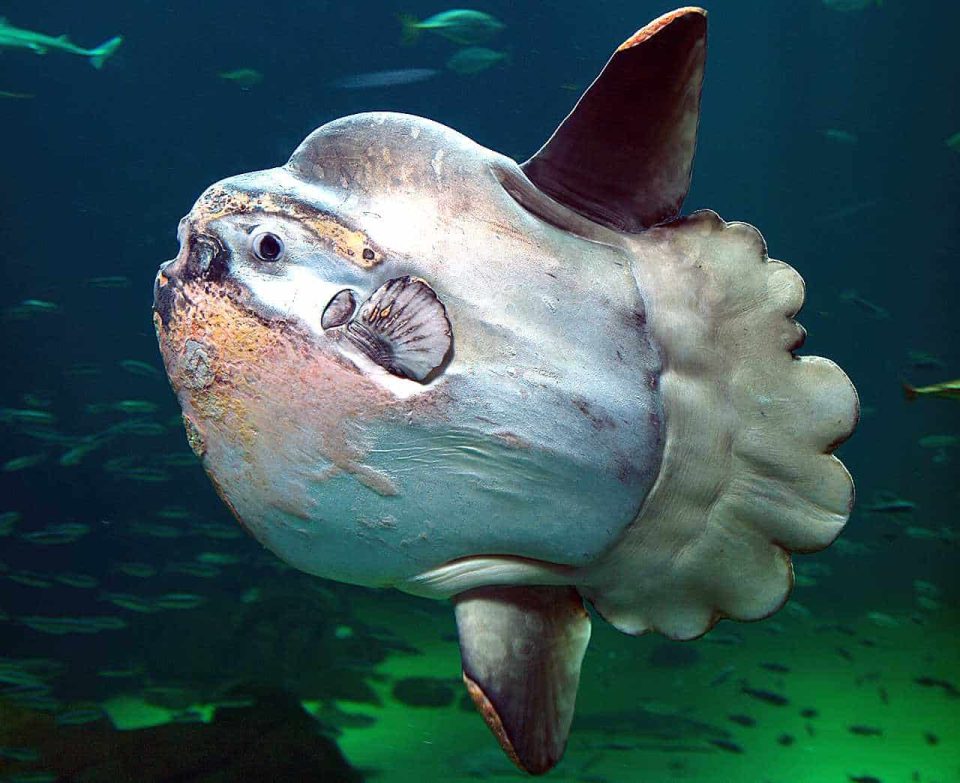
{"x": 538, "y": 437}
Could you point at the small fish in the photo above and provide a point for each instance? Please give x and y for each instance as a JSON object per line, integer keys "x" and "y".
{"x": 25, "y": 416}
{"x": 722, "y": 676}
{"x": 933, "y": 682}
{"x": 220, "y": 558}
{"x": 200, "y": 570}
{"x": 174, "y": 513}
{"x": 218, "y": 531}
{"x": 180, "y": 601}
{"x": 135, "y": 603}
{"x": 929, "y": 604}
{"x": 809, "y": 712}
{"x": 786, "y": 740}
{"x": 19, "y": 753}
{"x": 921, "y": 360}
{"x": 82, "y": 581}
{"x": 13, "y": 675}
{"x": 844, "y": 653}
{"x": 474, "y": 59}
{"x": 69, "y": 625}
{"x": 939, "y": 441}
{"x": 948, "y": 390}
{"x": 871, "y": 308}
{"x": 931, "y": 738}
{"x": 726, "y": 639}
{"x": 82, "y": 370}
{"x": 79, "y": 716}
{"x": 779, "y": 668}
{"x": 953, "y": 142}
{"x": 768, "y": 697}
{"x": 888, "y": 503}
{"x": 139, "y": 570}
{"x": 798, "y": 609}
{"x": 742, "y": 720}
{"x": 139, "y": 427}
{"x": 727, "y": 745}
{"x": 840, "y": 136}
{"x": 863, "y": 779}
{"x": 923, "y": 587}
{"x": 865, "y": 731}
{"x": 66, "y": 533}
{"x": 74, "y": 456}
{"x": 245, "y": 78}
{"x": 22, "y": 463}
{"x": 108, "y": 281}
{"x": 883, "y": 620}
{"x": 15, "y": 95}
{"x": 8, "y": 521}
{"x": 462, "y": 26}
{"x": 136, "y": 367}
{"x": 29, "y": 579}
{"x": 32, "y": 777}
{"x": 375, "y": 79}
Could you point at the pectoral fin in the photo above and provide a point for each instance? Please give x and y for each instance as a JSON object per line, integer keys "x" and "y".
{"x": 521, "y": 649}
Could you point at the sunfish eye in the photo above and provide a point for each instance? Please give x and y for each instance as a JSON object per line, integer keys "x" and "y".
{"x": 267, "y": 246}
{"x": 339, "y": 310}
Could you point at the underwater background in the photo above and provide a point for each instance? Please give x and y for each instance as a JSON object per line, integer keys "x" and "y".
{"x": 145, "y": 637}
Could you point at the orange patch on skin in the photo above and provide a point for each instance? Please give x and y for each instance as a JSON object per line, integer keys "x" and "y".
{"x": 262, "y": 383}
{"x": 489, "y": 713}
{"x": 659, "y": 24}
{"x": 347, "y": 242}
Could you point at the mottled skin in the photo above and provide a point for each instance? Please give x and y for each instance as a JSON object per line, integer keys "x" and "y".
{"x": 589, "y": 398}
{"x": 537, "y": 439}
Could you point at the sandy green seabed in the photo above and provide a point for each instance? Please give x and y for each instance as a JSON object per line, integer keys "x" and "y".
{"x": 417, "y": 744}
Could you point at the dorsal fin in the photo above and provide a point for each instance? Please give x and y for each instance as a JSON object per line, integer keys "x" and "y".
{"x": 623, "y": 156}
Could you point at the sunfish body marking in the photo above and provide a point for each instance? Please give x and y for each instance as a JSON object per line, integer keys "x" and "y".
{"x": 406, "y": 361}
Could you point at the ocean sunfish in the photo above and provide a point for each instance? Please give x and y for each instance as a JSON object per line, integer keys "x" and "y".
{"x": 407, "y": 361}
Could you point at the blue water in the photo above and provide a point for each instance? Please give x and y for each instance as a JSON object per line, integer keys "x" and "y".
{"x": 99, "y": 166}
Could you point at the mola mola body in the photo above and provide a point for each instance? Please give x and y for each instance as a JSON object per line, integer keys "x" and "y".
{"x": 406, "y": 361}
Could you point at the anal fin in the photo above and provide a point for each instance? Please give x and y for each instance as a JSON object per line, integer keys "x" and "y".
{"x": 521, "y": 649}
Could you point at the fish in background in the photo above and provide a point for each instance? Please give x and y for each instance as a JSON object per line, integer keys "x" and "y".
{"x": 462, "y": 26}
{"x": 948, "y": 390}
{"x": 108, "y": 281}
{"x": 870, "y": 308}
{"x": 17, "y": 38}
{"x": 30, "y": 307}
{"x": 923, "y": 360}
{"x": 840, "y": 136}
{"x": 475, "y": 59}
{"x": 245, "y": 78}
{"x": 391, "y": 78}
{"x": 953, "y": 142}
{"x": 890, "y": 503}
